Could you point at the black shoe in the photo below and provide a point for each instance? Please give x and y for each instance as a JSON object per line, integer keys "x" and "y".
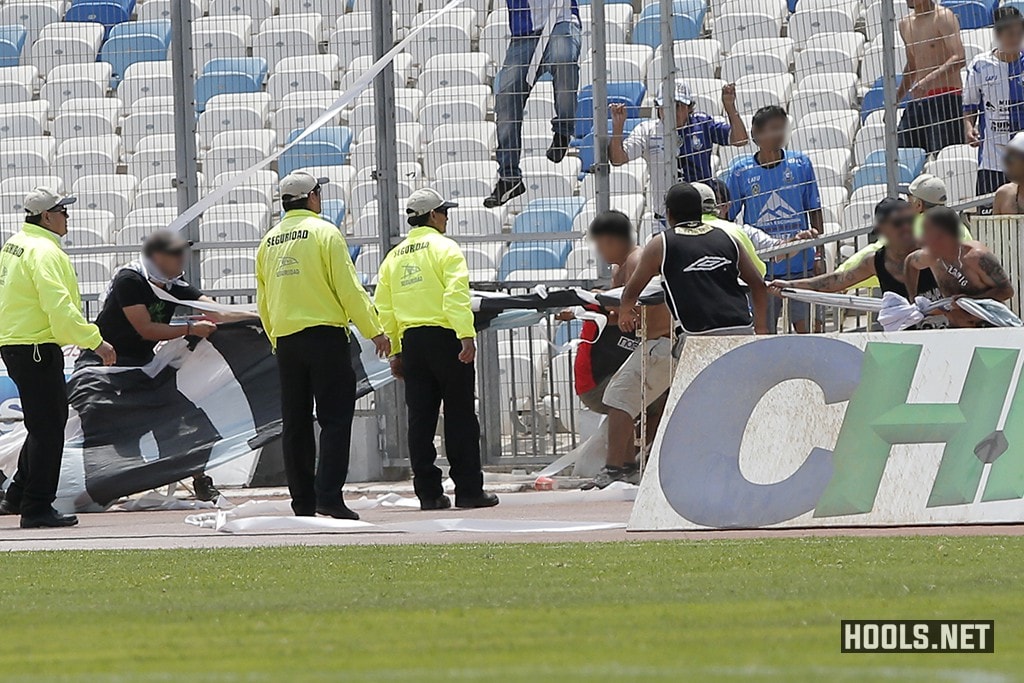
{"x": 440, "y": 503}
{"x": 559, "y": 146}
{"x": 337, "y": 511}
{"x": 484, "y": 500}
{"x": 506, "y": 189}
{"x": 9, "y": 508}
{"x": 204, "y": 489}
{"x": 48, "y": 519}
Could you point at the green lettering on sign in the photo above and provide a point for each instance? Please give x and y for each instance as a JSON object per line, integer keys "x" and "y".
{"x": 879, "y": 416}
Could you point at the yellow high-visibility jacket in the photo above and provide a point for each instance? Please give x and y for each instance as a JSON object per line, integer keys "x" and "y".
{"x": 305, "y": 278}
{"x": 39, "y": 299}
{"x": 424, "y": 282}
{"x": 741, "y": 237}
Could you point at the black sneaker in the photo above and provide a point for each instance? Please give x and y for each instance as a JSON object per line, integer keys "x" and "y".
{"x": 484, "y": 500}
{"x": 629, "y": 474}
{"x": 559, "y": 146}
{"x": 204, "y": 489}
{"x": 337, "y": 511}
{"x": 505, "y": 190}
{"x": 440, "y": 503}
{"x": 50, "y": 519}
{"x": 9, "y": 508}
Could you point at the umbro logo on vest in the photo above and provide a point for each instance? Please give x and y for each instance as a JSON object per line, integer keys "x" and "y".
{"x": 707, "y": 263}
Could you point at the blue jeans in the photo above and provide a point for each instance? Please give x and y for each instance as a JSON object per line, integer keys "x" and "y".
{"x": 561, "y": 60}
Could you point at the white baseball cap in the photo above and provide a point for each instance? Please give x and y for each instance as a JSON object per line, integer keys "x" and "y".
{"x": 1016, "y": 144}
{"x": 708, "y": 200}
{"x": 423, "y": 201}
{"x": 299, "y": 184}
{"x": 681, "y": 93}
{"x": 929, "y": 189}
{"x": 43, "y": 199}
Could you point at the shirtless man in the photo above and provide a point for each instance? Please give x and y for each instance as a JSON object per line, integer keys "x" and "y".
{"x": 961, "y": 269}
{"x": 894, "y": 226}
{"x": 1008, "y": 201}
{"x": 615, "y": 240}
{"x": 935, "y": 56}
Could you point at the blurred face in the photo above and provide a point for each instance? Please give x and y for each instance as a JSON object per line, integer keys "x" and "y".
{"x": 898, "y": 230}
{"x": 938, "y": 241}
{"x": 56, "y": 221}
{"x": 612, "y": 249}
{"x": 1014, "y": 165}
{"x": 772, "y": 134}
{"x": 170, "y": 265}
{"x": 683, "y": 112}
{"x": 920, "y": 4}
{"x": 1009, "y": 39}
{"x": 439, "y": 220}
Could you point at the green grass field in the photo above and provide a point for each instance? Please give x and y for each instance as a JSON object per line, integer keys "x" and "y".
{"x": 672, "y": 611}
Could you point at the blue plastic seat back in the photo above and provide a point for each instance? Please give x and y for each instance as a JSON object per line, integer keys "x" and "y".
{"x": 530, "y": 256}
{"x": 211, "y": 85}
{"x": 310, "y": 154}
{"x": 254, "y": 67}
{"x": 629, "y": 93}
{"x": 123, "y": 51}
{"x": 107, "y": 12}
{"x": 158, "y": 28}
{"x": 334, "y": 211}
{"x": 338, "y": 136}
{"x": 12, "y": 41}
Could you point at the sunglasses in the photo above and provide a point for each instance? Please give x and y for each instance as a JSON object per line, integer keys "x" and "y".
{"x": 61, "y": 210}
{"x": 442, "y": 209}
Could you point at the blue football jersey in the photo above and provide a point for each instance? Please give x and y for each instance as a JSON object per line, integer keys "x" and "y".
{"x": 776, "y": 199}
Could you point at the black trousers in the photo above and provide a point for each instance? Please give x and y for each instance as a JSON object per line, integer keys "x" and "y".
{"x": 434, "y": 374}
{"x": 315, "y": 364}
{"x": 38, "y": 372}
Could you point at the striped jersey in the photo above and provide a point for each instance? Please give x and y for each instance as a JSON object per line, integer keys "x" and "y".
{"x": 994, "y": 91}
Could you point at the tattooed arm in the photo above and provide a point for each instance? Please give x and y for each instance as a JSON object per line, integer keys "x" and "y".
{"x": 912, "y": 267}
{"x": 829, "y": 282}
{"x": 994, "y": 277}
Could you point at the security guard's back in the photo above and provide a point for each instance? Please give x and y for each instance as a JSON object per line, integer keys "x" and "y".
{"x": 307, "y": 291}
{"x": 424, "y": 304}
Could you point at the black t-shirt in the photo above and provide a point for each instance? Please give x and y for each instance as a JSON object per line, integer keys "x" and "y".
{"x": 131, "y": 289}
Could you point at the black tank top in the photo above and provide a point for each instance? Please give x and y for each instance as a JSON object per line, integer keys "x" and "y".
{"x": 926, "y": 284}
{"x": 700, "y": 271}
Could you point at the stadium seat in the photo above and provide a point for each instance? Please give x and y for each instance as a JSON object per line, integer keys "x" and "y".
{"x": 533, "y": 256}
{"x": 684, "y": 27}
{"x": 217, "y": 37}
{"x": 328, "y": 146}
{"x": 972, "y": 14}
{"x": 256, "y": 10}
{"x": 230, "y": 75}
{"x": 959, "y": 174}
{"x": 137, "y": 41}
{"x": 631, "y": 94}
{"x": 24, "y": 119}
{"x": 299, "y": 110}
{"x": 289, "y": 35}
{"x": 732, "y": 27}
{"x": 108, "y": 192}
{"x": 12, "y": 40}
{"x": 216, "y": 264}
{"x": 145, "y": 79}
{"x": 87, "y": 116}
{"x": 838, "y": 18}
{"x": 33, "y": 15}
{"x": 161, "y": 9}
{"x": 438, "y": 38}
{"x": 106, "y": 12}
{"x": 66, "y": 43}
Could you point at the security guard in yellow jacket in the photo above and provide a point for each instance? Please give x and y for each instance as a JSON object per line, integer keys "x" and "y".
{"x": 307, "y": 292}
{"x": 41, "y": 310}
{"x": 424, "y": 303}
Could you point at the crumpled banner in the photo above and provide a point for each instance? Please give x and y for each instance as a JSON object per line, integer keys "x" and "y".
{"x": 276, "y": 515}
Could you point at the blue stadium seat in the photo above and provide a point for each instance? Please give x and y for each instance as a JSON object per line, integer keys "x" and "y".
{"x": 911, "y": 158}
{"x": 234, "y": 75}
{"x": 12, "y": 40}
{"x": 568, "y": 331}
{"x": 533, "y": 256}
{"x": 353, "y": 252}
{"x": 687, "y": 22}
{"x": 874, "y": 100}
{"x": 328, "y": 146}
{"x": 158, "y": 28}
{"x": 586, "y": 146}
{"x": 333, "y": 210}
{"x": 972, "y": 14}
{"x": 569, "y": 205}
{"x": 107, "y": 12}
{"x": 630, "y": 93}
{"x": 875, "y": 174}
{"x": 137, "y": 41}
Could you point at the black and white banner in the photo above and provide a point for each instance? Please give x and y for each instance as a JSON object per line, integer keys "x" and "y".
{"x": 198, "y": 404}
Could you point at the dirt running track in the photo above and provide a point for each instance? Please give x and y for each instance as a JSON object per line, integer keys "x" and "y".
{"x": 123, "y": 530}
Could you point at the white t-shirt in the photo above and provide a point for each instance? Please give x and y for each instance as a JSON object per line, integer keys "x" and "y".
{"x": 993, "y": 89}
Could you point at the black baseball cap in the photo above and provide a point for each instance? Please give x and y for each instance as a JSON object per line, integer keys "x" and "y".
{"x": 165, "y": 242}
{"x": 885, "y": 209}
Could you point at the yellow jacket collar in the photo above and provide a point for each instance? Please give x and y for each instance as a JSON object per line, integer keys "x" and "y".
{"x": 37, "y": 231}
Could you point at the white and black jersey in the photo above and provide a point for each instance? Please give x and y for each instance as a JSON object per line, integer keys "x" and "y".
{"x": 700, "y": 275}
